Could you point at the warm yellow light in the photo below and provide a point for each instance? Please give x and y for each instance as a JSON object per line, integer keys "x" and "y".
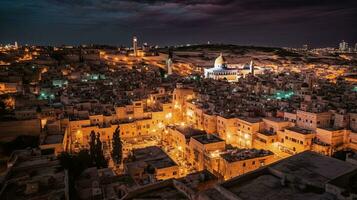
{"x": 177, "y": 106}
{"x": 78, "y": 133}
{"x": 168, "y": 115}
{"x": 214, "y": 154}
{"x": 160, "y": 125}
{"x": 189, "y": 113}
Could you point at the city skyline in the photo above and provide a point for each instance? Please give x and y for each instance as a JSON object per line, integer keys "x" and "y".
{"x": 260, "y": 23}
{"x": 178, "y": 99}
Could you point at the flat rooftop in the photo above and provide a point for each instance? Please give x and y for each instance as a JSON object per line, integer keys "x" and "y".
{"x": 267, "y": 132}
{"x": 207, "y": 138}
{"x": 251, "y": 119}
{"x": 275, "y": 119}
{"x": 162, "y": 163}
{"x": 151, "y": 152}
{"x": 300, "y": 130}
{"x": 331, "y": 128}
{"x": 313, "y": 167}
{"x": 188, "y": 132}
{"x": 267, "y": 186}
{"x": 347, "y": 181}
{"x": 153, "y": 156}
{"x": 304, "y": 176}
{"x": 245, "y": 154}
{"x": 161, "y": 190}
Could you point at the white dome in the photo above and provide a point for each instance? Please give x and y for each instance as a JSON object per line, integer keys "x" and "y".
{"x": 220, "y": 62}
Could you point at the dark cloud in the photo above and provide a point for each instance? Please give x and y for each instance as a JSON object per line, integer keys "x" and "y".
{"x": 260, "y": 22}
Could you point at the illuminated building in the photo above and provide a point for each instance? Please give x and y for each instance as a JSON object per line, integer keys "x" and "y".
{"x": 240, "y": 161}
{"x": 267, "y": 136}
{"x": 330, "y": 140}
{"x": 220, "y": 71}
{"x": 294, "y": 140}
{"x": 343, "y": 46}
{"x": 227, "y": 129}
{"x": 169, "y": 63}
{"x": 180, "y": 97}
{"x": 201, "y": 147}
{"x": 9, "y": 88}
{"x": 151, "y": 164}
{"x": 135, "y": 46}
{"x": 247, "y": 127}
{"x": 311, "y": 120}
{"x": 251, "y": 67}
{"x": 135, "y": 120}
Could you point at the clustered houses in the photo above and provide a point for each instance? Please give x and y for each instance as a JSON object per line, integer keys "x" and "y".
{"x": 174, "y": 127}
{"x": 286, "y": 133}
{"x": 141, "y": 118}
{"x": 198, "y": 150}
{"x": 150, "y": 164}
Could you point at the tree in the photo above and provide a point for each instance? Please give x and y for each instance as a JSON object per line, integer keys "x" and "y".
{"x": 100, "y": 160}
{"x": 117, "y": 149}
{"x": 92, "y": 146}
{"x": 84, "y": 158}
{"x": 96, "y": 151}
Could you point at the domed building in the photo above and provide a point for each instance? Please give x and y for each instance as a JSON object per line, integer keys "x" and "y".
{"x": 220, "y": 62}
{"x": 220, "y": 71}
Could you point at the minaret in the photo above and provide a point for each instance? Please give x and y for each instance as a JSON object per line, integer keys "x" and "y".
{"x": 135, "y": 46}
{"x": 251, "y": 67}
{"x": 16, "y": 45}
{"x": 169, "y": 63}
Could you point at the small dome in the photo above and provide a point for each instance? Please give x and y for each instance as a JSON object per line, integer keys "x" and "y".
{"x": 220, "y": 61}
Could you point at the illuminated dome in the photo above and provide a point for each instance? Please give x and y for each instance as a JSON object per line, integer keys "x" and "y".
{"x": 220, "y": 62}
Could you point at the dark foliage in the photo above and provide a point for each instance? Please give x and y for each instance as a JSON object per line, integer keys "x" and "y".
{"x": 117, "y": 152}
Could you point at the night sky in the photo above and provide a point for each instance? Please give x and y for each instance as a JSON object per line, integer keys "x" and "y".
{"x": 167, "y": 22}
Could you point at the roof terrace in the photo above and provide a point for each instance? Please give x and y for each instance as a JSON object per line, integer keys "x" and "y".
{"x": 207, "y": 138}
{"x": 245, "y": 154}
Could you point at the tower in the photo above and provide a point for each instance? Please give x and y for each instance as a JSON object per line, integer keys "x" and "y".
{"x": 251, "y": 67}
{"x": 169, "y": 63}
{"x": 16, "y": 45}
{"x": 343, "y": 46}
{"x": 135, "y": 46}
